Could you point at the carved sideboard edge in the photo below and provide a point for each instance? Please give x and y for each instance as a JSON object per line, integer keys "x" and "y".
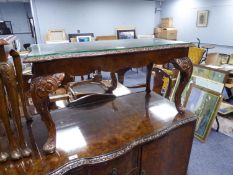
{"x": 3, "y": 42}
{"x": 107, "y": 157}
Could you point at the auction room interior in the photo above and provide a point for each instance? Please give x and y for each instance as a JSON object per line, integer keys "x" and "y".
{"x": 116, "y": 87}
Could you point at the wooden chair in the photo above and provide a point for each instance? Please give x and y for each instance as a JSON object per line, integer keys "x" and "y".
{"x": 12, "y": 95}
{"x": 162, "y": 82}
{"x": 196, "y": 54}
{"x": 11, "y": 98}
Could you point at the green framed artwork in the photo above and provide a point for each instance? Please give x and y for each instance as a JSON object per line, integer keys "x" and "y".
{"x": 206, "y": 77}
{"x": 208, "y": 73}
{"x": 204, "y": 103}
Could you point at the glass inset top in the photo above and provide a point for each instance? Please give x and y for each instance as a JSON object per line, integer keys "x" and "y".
{"x": 57, "y": 50}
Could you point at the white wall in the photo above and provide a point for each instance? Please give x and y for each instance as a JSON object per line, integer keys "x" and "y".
{"x": 220, "y": 23}
{"x": 17, "y": 12}
{"x": 97, "y": 16}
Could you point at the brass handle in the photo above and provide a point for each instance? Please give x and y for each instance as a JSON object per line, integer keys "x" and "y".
{"x": 114, "y": 171}
{"x": 143, "y": 172}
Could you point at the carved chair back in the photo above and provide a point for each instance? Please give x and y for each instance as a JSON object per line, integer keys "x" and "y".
{"x": 162, "y": 82}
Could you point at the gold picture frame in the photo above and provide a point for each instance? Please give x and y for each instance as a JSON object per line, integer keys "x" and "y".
{"x": 202, "y": 18}
{"x": 230, "y": 60}
{"x": 204, "y": 103}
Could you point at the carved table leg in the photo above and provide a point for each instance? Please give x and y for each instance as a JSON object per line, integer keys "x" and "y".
{"x": 185, "y": 66}
{"x": 9, "y": 80}
{"x": 148, "y": 77}
{"x": 121, "y": 74}
{"x": 41, "y": 87}
{"x": 113, "y": 83}
{"x": 18, "y": 69}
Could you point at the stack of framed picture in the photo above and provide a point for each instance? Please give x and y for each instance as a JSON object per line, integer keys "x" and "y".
{"x": 207, "y": 77}
{"x": 203, "y": 97}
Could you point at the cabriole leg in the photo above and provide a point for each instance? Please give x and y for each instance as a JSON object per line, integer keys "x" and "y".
{"x": 185, "y": 66}
{"x": 40, "y": 89}
{"x": 148, "y": 77}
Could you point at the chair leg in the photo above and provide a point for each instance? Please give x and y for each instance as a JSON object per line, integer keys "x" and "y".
{"x": 19, "y": 77}
{"x": 6, "y": 123}
{"x": 121, "y": 74}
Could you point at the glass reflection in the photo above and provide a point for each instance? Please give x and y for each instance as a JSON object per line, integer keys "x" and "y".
{"x": 121, "y": 90}
{"x": 166, "y": 111}
{"x": 69, "y": 139}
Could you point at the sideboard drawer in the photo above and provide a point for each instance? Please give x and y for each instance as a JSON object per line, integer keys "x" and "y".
{"x": 124, "y": 165}
{"x": 77, "y": 171}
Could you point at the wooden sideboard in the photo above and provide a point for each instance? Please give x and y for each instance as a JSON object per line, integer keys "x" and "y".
{"x": 134, "y": 134}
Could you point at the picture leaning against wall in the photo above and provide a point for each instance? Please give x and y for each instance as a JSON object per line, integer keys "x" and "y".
{"x": 204, "y": 103}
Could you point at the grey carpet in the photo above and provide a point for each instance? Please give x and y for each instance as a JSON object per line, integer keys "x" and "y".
{"x": 214, "y": 157}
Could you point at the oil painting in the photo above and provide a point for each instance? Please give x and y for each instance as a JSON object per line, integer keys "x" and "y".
{"x": 205, "y": 104}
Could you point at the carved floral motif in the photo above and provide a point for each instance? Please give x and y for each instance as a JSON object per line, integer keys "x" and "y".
{"x": 41, "y": 87}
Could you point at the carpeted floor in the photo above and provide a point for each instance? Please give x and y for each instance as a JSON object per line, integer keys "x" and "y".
{"x": 214, "y": 157}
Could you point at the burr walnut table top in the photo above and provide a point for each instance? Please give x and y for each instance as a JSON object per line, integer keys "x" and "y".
{"x": 98, "y": 133}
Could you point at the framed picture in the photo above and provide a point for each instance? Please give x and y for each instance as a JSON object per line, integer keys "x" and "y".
{"x": 204, "y": 103}
{"x": 230, "y": 60}
{"x": 126, "y": 34}
{"x": 216, "y": 75}
{"x": 73, "y": 36}
{"x": 82, "y": 39}
{"x": 225, "y": 108}
{"x": 224, "y": 58}
{"x": 202, "y": 18}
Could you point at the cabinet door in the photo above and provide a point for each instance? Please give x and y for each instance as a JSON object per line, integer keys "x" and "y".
{"x": 124, "y": 165}
{"x": 77, "y": 171}
{"x": 168, "y": 155}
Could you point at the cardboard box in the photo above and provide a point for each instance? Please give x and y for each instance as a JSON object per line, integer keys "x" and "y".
{"x": 166, "y": 22}
{"x": 213, "y": 59}
{"x": 168, "y": 33}
{"x": 157, "y": 32}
